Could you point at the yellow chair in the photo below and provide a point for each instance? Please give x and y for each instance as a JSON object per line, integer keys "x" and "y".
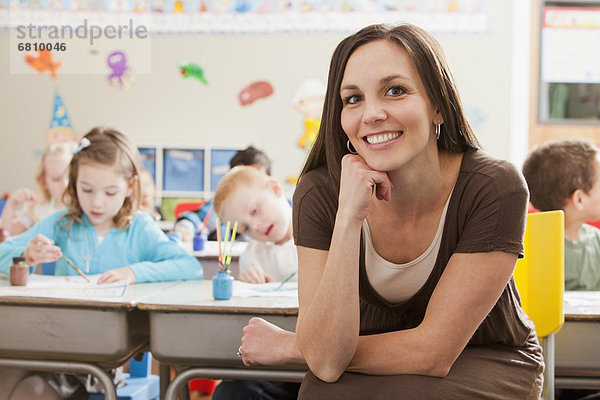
{"x": 540, "y": 279}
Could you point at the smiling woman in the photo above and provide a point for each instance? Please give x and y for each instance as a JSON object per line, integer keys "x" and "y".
{"x": 416, "y": 233}
{"x": 405, "y": 316}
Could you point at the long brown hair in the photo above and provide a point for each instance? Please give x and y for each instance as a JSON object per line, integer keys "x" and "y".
{"x": 430, "y": 62}
{"x": 112, "y": 149}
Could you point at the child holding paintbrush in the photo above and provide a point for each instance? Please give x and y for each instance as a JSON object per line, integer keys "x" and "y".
{"x": 100, "y": 232}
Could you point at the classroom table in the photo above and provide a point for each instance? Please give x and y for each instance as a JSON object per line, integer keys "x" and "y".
{"x": 189, "y": 329}
{"x": 577, "y": 343}
{"x": 73, "y": 331}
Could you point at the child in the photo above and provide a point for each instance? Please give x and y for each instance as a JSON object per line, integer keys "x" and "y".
{"x": 565, "y": 175}
{"x": 148, "y": 192}
{"x": 188, "y": 222}
{"x": 103, "y": 197}
{"x": 101, "y": 231}
{"x": 22, "y": 208}
{"x": 256, "y": 201}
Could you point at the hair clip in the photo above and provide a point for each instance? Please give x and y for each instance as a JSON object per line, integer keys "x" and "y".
{"x": 85, "y": 142}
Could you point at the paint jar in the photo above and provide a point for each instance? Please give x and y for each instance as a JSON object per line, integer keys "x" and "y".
{"x": 19, "y": 272}
{"x": 199, "y": 241}
{"x": 222, "y": 285}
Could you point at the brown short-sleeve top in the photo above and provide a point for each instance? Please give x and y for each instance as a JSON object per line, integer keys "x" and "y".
{"x": 487, "y": 212}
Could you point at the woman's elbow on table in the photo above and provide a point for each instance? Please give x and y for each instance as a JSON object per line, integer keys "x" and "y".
{"x": 326, "y": 367}
{"x": 438, "y": 363}
{"x": 327, "y": 372}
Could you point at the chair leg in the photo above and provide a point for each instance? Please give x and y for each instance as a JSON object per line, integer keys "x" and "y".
{"x": 548, "y": 347}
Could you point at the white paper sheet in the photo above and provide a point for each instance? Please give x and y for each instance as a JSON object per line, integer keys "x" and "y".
{"x": 65, "y": 286}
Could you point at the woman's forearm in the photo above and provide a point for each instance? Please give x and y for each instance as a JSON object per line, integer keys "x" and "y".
{"x": 328, "y": 328}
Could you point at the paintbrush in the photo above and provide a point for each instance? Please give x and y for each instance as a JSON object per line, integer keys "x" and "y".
{"x": 80, "y": 272}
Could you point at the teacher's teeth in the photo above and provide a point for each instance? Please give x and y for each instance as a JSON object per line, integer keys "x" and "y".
{"x": 385, "y": 137}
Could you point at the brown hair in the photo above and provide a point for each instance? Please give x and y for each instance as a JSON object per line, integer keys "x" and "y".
{"x": 52, "y": 150}
{"x": 113, "y": 149}
{"x": 242, "y": 175}
{"x": 430, "y": 62}
{"x": 556, "y": 169}
{"x": 250, "y": 156}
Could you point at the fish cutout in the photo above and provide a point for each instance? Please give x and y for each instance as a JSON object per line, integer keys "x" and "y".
{"x": 193, "y": 70}
{"x": 42, "y": 62}
{"x": 254, "y": 91}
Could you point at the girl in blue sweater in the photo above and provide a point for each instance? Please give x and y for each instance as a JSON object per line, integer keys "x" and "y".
{"x": 101, "y": 230}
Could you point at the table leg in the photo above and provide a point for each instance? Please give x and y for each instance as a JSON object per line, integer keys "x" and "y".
{"x": 65, "y": 366}
{"x": 164, "y": 373}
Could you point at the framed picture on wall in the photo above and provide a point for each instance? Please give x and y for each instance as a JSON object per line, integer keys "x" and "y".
{"x": 183, "y": 170}
{"x": 219, "y": 165}
{"x": 148, "y": 160}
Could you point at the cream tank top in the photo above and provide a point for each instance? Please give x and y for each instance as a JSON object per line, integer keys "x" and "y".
{"x": 399, "y": 282}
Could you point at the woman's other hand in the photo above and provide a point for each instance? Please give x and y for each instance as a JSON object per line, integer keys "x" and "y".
{"x": 266, "y": 344}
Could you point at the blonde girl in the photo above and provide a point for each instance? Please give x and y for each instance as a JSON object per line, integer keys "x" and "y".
{"x": 24, "y": 208}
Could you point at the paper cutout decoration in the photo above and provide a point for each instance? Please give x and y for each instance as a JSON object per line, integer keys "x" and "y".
{"x": 309, "y": 99}
{"x": 60, "y": 129}
{"x": 193, "y": 70}
{"x": 120, "y": 77}
{"x": 254, "y": 91}
{"x": 43, "y": 62}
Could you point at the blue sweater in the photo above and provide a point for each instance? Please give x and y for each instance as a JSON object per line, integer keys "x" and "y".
{"x": 142, "y": 246}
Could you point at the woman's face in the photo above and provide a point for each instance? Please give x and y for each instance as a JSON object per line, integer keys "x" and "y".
{"x": 386, "y": 113}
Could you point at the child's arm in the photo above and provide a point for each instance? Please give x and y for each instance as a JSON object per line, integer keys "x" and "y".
{"x": 8, "y": 222}
{"x": 117, "y": 275}
{"x": 159, "y": 258}
{"x": 250, "y": 265}
{"x": 17, "y": 245}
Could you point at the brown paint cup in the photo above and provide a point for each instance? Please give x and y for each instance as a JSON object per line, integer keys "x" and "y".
{"x": 19, "y": 272}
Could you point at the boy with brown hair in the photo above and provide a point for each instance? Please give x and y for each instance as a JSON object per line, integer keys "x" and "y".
{"x": 565, "y": 175}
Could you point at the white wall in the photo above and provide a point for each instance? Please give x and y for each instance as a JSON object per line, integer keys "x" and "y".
{"x": 164, "y": 108}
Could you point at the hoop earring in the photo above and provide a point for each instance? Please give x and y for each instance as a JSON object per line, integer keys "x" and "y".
{"x": 351, "y": 148}
{"x": 438, "y": 131}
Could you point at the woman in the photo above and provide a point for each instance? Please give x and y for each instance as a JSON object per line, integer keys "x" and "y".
{"x": 407, "y": 237}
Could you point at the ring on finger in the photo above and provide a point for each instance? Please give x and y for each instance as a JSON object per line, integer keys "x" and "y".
{"x": 239, "y": 352}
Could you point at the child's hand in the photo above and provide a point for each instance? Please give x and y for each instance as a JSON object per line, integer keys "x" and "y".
{"x": 40, "y": 249}
{"x": 21, "y": 196}
{"x": 267, "y": 344}
{"x": 185, "y": 229}
{"x": 254, "y": 275}
{"x": 117, "y": 275}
